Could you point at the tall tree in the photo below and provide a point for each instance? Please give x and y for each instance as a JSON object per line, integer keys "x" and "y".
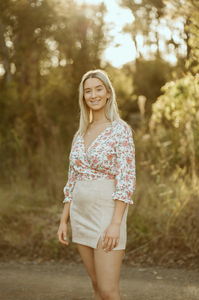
{"x": 161, "y": 24}
{"x": 44, "y": 50}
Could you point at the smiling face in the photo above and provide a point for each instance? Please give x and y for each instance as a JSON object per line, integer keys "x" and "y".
{"x": 95, "y": 93}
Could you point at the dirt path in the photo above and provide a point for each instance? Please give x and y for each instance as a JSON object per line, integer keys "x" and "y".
{"x": 55, "y": 280}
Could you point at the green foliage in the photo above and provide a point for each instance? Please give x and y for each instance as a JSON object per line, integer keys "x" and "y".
{"x": 149, "y": 77}
{"x": 176, "y": 112}
{"x": 44, "y": 52}
{"x": 179, "y": 103}
{"x": 45, "y": 49}
{"x": 167, "y": 165}
{"x": 193, "y": 29}
{"x": 122, "y": 80}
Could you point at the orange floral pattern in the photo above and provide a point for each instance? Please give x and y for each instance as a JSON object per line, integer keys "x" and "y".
{"x": 110, "y": 156}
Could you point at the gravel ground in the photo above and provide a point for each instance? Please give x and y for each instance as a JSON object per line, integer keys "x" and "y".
{"x": 69, "y": 280}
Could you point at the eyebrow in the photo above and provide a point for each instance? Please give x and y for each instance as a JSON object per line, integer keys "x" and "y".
{"x": 95, "y": 87}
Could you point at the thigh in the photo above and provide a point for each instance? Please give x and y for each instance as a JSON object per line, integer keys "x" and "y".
{"x": 87, "y": 255}
{"x": 107, "y": 267}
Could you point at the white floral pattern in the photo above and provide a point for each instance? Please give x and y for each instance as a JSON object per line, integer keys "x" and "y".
{"x": 110, "y": 156}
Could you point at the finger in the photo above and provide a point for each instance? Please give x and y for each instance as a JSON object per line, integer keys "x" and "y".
{"x": 117, "y": 242}
{"x": 105, "y": 243}
{"x": 108, "y": 247}
{"x": 59, "y": 233}
{"x": 113, "y": 245}
{"x": 104, "y": 236}
{"x": 105, "y": 240}
{"x": 60, "y": 237}
{"x": 65, "y": 237}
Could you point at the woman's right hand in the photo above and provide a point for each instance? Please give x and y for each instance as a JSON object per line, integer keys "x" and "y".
{"x": 62, "y": 234}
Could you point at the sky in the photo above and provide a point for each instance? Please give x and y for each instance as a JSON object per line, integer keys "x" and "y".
{"x": 125, "y": 50}
{"x": 122, "y": 49}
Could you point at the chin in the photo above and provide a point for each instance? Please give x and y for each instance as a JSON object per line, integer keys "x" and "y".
{"x": 98, "y": 108}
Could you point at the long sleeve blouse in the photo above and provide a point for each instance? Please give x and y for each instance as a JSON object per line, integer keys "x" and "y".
{"x": 110, "y": 156}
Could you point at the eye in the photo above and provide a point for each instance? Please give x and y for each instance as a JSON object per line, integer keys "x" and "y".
{"x": 87, "y": 92}
{"x": 99, "y": 90}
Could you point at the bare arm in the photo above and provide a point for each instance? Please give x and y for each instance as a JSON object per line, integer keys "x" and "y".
{"x": 62, "y": 230}
{"x": 112, "y": 233}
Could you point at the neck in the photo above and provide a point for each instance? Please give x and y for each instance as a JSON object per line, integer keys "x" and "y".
{"x": 99, "y": 117}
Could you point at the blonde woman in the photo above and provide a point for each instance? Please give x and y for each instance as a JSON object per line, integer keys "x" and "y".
{"x": 100, "y": 183}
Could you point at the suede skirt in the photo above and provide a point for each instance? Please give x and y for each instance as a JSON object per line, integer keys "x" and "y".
{"x": 91, "y": 212}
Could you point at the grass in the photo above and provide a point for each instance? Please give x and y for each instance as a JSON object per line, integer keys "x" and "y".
{"x": 169, "y": 210}
{"x": 164, "y": 216}
{"x": 29, "y": 222}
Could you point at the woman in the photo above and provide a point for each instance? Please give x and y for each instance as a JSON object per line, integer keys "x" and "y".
{"x": 100, "y": 184}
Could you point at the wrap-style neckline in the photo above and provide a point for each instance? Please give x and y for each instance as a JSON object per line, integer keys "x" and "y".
{"x": 86, "y": 150}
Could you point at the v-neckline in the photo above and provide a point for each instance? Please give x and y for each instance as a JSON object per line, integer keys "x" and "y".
{"x": 86, "y": 150}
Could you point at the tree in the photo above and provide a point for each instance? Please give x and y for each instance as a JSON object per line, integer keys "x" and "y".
{"x": 44, "y": 50}
{"x": 161, "y": 25}
{"x": 147, "y": 15}
{"x": 176, "y": 111}
{"x": 193, "y": 29}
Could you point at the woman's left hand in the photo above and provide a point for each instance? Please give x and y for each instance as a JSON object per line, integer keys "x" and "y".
{"x": 111, "y": 237}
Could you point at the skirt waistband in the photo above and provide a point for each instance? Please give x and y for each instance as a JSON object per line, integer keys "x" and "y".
{"x": 100, "y": 183}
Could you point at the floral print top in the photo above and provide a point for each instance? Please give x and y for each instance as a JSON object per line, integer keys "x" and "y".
{"x": 110, "y": 156}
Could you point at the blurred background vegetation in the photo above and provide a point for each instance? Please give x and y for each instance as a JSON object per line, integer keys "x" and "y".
{"x": 45, "y": 48}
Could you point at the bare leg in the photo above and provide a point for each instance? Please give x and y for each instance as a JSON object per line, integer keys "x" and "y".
{"x": 87, "y": 255}
{"x": 107, "y": 267}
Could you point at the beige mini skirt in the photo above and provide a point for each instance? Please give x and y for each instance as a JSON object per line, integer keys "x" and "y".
{"x": 91, "y": 212}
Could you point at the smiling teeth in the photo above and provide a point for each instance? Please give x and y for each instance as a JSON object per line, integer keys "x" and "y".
{"x": 95, "y": 101}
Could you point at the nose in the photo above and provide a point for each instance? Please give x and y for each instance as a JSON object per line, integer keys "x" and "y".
{"x": 93, "y": 94}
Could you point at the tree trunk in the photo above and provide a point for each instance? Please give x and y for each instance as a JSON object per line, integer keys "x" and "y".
{"x": 5, "y": 55}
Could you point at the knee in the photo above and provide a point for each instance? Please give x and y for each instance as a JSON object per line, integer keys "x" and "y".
{"x": 108, "y": 294}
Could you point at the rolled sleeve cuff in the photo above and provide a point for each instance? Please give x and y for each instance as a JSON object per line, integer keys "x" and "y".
{"x": 67, "y": 199}
{"x": 68, "y": 196}
{"x": 122, "y": 197}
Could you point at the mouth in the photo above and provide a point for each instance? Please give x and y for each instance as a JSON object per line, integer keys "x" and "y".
{"x": 95, "y": 102}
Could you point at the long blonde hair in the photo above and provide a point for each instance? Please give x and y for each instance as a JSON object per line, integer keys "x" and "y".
{"x": 111, "y": 109}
